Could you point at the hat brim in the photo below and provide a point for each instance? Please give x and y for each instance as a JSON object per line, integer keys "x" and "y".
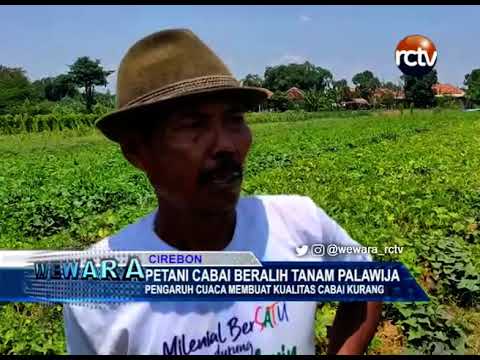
{"x": 112, "y": 124}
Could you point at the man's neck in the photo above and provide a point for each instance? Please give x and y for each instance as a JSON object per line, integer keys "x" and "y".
{"x": 193, "y": 231}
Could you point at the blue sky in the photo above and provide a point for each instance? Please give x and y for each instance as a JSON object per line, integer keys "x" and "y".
{"x": 343, "y": 39}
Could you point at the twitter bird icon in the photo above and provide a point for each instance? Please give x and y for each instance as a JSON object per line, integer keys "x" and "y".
{"x": 301, "y": 250}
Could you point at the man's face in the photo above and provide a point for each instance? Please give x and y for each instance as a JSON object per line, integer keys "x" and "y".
{"x": 195, "y": 158}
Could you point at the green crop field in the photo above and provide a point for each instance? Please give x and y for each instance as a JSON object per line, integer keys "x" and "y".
{"x": 408, "y": 179}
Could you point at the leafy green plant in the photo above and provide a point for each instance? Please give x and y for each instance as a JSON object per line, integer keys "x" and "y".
{"x": 406, "y": 179}
{"x": 448, "y": 102}
{"x": 323, "y": 321}
{"x": 429, "y": 327}
{"x": 28, "y": 329}
{"x": 453, "y": 269}
{"x": 24, "y": 123}
{"x": 317, "y": 101}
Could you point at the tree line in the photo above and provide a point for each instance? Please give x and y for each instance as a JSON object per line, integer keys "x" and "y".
{"x": 322, "y": 91}
{"x": 74, "y": 91}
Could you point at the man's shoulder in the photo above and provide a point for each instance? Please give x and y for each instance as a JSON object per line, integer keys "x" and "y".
{"x": 122, "y": 239}
{"x": 288, "y": 200}
{"x": 296, "y": 212}
{"x": 293, "y": 205}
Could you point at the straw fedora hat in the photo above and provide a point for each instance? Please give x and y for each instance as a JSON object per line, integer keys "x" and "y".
{"x": 164, "y": 68}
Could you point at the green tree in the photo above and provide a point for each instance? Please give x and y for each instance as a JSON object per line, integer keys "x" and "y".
{"x": 55, "y": 88}
{"x": 253, "y": 80}
{"x": 365, "y": 84}
{"x": 279, "y": 101}
{"x": 319, "y": 101}
{"x": 304, "y": 76}
{"x": 386, "y": 100}
{"x": 15, "y": 87}
{"x": 418, "y": 90}
{"x": 391, "y": 86}
{"x": 472, "y": 81}
{"x": 105, "y": 102}
{"x": 384, "y": 96}
{"x": 341, "y": 91}
{"x": 86, "y": 73}
{"x": 106, "y": 99}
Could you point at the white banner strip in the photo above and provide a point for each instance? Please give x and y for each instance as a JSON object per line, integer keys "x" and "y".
{"x": 26, "y": 258}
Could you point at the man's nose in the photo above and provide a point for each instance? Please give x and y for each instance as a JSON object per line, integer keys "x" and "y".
{"x": 223, "y": 140}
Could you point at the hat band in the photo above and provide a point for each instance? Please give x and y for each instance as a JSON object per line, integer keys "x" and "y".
{"x": 184, "y": 87}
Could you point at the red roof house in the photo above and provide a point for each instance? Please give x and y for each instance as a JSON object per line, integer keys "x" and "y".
{"x": 295, "y": 93}
{"x": 447, "y": 90}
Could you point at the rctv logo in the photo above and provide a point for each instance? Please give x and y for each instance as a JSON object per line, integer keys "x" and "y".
{"x": 416, "y": 55}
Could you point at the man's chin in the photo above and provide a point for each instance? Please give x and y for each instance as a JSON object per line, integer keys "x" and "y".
{"x": 218, "y": 205}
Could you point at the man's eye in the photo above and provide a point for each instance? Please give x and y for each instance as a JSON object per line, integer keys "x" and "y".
{"x": 196, "y": 124}
{"x": 237, "y": 119}
{"x": 191, "y": 123}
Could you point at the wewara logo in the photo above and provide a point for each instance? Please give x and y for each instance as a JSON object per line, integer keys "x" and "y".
{"x": 416, "y": 55}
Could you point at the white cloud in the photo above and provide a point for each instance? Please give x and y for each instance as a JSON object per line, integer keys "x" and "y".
{"x": 305, "y": 18}
{"x": 288, "y": 59}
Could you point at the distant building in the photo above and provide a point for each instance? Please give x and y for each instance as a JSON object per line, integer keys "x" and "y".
{"x": 441, "y": 90}
{"x": 381, "y": 95}
{"x": 264, "y": 106}
{"x": 449, "y": 93}
{"x": 355, "y": 104}
{"x": 269, "y": 93}
{"x": 295, "y": 93}
{"x": 397, "y": 95}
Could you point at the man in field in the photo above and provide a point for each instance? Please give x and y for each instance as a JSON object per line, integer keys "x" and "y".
{"x": 181, "y": 121}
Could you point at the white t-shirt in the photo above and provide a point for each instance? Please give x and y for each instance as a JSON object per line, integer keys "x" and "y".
{"x": 269, "y": 226}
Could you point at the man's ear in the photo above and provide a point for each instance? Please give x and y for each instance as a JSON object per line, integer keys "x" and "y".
{"x": 132, "y": 151}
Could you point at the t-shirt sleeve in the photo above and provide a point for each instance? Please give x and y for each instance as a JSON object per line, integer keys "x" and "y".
{"x": 326, "y": 231}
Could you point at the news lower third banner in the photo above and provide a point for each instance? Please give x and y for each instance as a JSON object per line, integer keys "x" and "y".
{"x": 89, "y": 277}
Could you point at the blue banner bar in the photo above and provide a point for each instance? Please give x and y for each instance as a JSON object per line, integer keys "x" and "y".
{"x": 287, "y": 281}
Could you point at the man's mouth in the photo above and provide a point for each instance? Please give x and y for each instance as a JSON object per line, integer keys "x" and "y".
{"x": 226, "y": 177}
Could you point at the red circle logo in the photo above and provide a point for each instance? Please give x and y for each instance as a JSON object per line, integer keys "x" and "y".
{"x": 416, "y": 55}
